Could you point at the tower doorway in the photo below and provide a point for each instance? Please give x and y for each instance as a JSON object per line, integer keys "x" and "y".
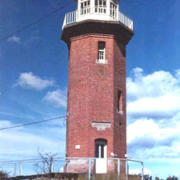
{"x": 101, "y": 155}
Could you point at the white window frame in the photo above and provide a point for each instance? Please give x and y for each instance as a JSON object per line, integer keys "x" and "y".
{"x": 101, "y": 53}
{"x": 86, "y": 7}
{"x": 113, "y": 9}
{"x": 102, "y": 9}
{"x": 101, "y": 144}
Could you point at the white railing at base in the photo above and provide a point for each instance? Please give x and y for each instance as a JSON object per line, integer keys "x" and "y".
{"x": 67, "y": 165}
{"x": 74, "y": 16}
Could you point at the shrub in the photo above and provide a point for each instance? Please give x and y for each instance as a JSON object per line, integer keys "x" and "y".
{"x": 172, "y": 178}
{"x": 3, "y": 175}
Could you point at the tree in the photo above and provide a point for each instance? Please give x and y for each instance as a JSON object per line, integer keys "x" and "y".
{"x": 172, "y": 178}
{"x": 45, "y": 165}
{"x": 157, "y": 178}
{"x": 147, "y": 177}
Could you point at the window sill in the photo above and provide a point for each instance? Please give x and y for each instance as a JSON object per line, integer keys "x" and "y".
{"x": 101, "y": 61}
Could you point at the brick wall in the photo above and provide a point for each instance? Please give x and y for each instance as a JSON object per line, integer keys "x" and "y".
{"x": 92, "y": 95}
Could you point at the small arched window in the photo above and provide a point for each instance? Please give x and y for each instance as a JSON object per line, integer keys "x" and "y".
{"x": 120, "y": 102}
{"x": 101, "y": 52}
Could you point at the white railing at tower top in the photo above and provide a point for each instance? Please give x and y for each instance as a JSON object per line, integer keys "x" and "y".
{"x": 125, "y": 20}
{"x": 70, "y": 18}
{"x": 75, "y": 16}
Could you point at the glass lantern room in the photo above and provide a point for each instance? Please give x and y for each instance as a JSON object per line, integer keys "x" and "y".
{"x": 97, "y": 9}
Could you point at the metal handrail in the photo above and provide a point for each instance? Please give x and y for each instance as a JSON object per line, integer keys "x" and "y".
{"x": 66, "y": 161}
{"x": 64, "y": 158}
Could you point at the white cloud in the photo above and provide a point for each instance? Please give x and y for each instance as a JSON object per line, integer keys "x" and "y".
{"x": 153, "y": 106}
{"x": 30, "y": 81}
{"x": 4, "y": 123}
{"x": 153, "y": 85}
{"x": 14, "y": 39}
{"x": 153, "y": 95}
{"x": 148, "y": 140}
{"x": 32, "y": 37}
{"x": 148, "y": 134}
{"x": 57, "y": 98}
{"x": 24, "y": 142}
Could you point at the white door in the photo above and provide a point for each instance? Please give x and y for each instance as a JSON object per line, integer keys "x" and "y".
{"x": 101, "y": 155}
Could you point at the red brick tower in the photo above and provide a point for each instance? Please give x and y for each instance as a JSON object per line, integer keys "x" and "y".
{"x": 96, "y": 35}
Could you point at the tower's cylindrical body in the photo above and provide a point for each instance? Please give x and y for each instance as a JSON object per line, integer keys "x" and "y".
{"x": 96, "y": 123}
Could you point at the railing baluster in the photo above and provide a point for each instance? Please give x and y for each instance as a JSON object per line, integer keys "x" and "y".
{"x": 127, "y": 170}
{"x": 52, "y": 167}
{"x": 20, "y": 169}
{"x": 89, "y": 169}
{"x": 67, "y": 19}
{"x": 14, "y": 170}
{"x": 142, "y": 171}
{"x": 118, "y": 168}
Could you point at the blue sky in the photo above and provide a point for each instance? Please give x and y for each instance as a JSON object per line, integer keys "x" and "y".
{"x": 33, "y": 81}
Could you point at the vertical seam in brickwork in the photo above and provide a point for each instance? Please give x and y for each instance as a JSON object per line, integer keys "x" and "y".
{"x": 89, "y": 121}
{"x": 113, "y": 91}
{"x": 67, "y": 124}
{"x": 125, "y": 120}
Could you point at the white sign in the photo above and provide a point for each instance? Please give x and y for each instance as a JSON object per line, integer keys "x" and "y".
{"x": 101, "y": 126}
{"x": 77, "y": 147}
